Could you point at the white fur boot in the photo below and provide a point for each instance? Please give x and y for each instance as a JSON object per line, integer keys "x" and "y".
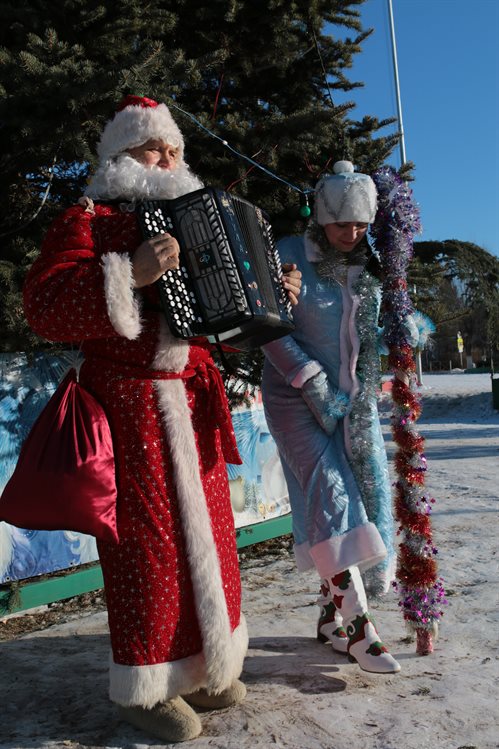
{"x": 230, "y": 696}
{"x": 364, "y": 644}
{"x": 173, "y": 720}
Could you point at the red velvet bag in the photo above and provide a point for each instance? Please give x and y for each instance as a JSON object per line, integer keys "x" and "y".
{"x": 65, "y": 476}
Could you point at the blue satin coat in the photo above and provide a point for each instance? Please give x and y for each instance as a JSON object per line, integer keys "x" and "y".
{"x": 333, "y": 523}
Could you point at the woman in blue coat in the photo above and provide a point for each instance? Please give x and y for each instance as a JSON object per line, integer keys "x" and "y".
{"x": 319, "y": 390}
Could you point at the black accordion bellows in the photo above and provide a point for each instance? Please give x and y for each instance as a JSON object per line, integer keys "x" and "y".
{"x": 228, "y": 287}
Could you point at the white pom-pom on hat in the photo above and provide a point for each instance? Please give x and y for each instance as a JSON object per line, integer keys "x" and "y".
{"x": 342, "y": 167}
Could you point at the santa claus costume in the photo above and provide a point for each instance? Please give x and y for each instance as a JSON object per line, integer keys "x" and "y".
{"x": 172, "y": 583}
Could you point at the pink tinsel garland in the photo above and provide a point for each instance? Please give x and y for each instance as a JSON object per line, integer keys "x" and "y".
{"x": 421, "y": 591}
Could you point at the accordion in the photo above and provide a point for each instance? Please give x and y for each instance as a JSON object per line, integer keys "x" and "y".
{"x": 228, "y": 287}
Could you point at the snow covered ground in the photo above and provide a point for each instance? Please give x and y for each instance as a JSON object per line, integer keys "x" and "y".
{"x": 301, "y": 695}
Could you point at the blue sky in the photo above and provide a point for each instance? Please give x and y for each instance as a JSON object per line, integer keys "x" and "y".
{"x": 448, "y": 61}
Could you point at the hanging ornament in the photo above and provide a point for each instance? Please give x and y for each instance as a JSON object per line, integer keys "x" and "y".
{"x": 305, "y": 210}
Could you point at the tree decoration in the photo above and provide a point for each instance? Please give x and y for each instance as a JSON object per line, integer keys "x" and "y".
{"x": 421, "y": 590}
{"x": 305, "y": 209}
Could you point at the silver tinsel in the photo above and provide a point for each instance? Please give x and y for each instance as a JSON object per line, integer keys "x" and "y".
{"x": 365, "y": 464}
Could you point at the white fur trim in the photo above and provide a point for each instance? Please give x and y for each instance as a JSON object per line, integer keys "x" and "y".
{"x": 122, "y": 304}
{"x": 309, "y": 370}
{"x": 134, "y": 125}
{"x": 148, "y": 685}
{"x": 172, "y": 354}
{"x": 206, "y": 576}
{"x": 362, "y": 547}
{"x": 349, "y": 346}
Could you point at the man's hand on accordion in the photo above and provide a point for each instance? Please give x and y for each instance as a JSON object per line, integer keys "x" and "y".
{"x": 291, "y": 280}
{"x": 153, "y": 257}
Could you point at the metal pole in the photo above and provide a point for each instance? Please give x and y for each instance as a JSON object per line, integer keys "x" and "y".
{"x": 419, "y": 367}
{"x": 397, "y": 84}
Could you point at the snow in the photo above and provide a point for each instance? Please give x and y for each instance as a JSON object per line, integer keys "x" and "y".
{"x": 301, "y": 695}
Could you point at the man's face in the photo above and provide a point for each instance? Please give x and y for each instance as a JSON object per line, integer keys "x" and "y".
{"x": 156, "y": 152}
{"x": 345, "y": 236}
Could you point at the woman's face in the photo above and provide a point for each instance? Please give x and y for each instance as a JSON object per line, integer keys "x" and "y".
{"x": 156, "y": 152}
{"x": 345, "y": 235}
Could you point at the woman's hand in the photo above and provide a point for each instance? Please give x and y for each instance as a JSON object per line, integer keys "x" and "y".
{"x": 327, "y": 403}
{"x": 291, "y": 281}
{"x": 153, "y": 257}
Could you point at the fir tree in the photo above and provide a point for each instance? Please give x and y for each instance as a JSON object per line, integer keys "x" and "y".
{"x": 260, "y": 75}
{"x": 458, "y": 287}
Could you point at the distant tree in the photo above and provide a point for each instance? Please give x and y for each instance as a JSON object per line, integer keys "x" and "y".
{"x": 457, "y": 285}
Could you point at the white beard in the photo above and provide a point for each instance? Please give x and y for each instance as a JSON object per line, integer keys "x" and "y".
{"x": 125, "y": 177}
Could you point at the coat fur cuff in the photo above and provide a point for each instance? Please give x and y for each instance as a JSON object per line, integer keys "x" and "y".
{"x": 361, "y": 547}
{"x": 122, "y": 303}
{"x": 309, "y": 370}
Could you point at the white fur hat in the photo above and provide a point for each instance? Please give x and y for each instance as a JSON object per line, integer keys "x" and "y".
{"x": 138, "y": 119}
{"x": 345, "y": 196}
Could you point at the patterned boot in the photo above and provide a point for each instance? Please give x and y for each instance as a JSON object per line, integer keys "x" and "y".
{"x": 364, "y": 645}
{"x": 330, "y": 623}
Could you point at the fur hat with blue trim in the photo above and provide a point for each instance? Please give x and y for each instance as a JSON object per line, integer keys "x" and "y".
{"x": 345, "y": 196}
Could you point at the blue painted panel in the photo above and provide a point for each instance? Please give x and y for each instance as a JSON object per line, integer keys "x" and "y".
{"x": 258, "y": 489}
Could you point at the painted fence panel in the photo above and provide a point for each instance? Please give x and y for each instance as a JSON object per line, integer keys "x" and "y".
{"x": 258, "y": 490}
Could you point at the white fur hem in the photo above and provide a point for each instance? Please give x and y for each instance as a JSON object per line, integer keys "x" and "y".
{"x": 122, "y": 304}
{"x": 204, "y": 564}
{"x": 361, "y": 547}
{"x": 148, "y": 685}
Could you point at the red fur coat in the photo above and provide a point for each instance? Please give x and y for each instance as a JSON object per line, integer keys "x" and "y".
{"x": 172, "y": 584}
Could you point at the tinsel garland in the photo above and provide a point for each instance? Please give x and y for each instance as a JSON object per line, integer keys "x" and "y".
{"x": 366, "y": 463}
{"x": 421, "y": 591}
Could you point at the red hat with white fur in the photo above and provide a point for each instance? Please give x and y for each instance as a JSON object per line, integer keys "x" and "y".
{"x": 137, "y": 120}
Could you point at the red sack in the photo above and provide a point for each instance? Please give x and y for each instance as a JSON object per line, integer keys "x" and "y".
{"x": 65, "y": 477}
